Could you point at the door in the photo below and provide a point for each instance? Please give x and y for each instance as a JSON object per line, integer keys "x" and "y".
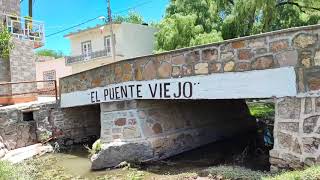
{"x": 86, "y": 50}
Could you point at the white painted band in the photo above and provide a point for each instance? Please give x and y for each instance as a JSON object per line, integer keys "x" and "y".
{"x": 267, "y": 83}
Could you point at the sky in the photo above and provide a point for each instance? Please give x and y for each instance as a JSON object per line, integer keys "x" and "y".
{"x": 60, "y": 14}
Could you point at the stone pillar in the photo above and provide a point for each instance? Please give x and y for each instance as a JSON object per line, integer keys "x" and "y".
{"x": 20, "y": 67}
{"x": 296, "y": 133}
{"x": 156, "y": 129}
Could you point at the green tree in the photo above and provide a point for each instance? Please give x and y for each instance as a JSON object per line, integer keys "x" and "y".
{"x": 132, "y": 17}
{"x": 190, "y": 22}
{"x": 50, "y": 53}
{"x": 5, "y": 43}
{"x": 249, "y": 17}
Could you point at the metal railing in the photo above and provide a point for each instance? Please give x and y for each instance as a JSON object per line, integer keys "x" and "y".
{"x": 49, "y": 88}
{"x": 24, "y": 28}
{"x": 87, "y": 57}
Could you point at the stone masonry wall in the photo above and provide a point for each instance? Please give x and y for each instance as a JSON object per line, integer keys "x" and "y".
{"x": 166, "y": 128}
{"x": 298, "y": 47}
{"x": 4, "y": 76}
{"x": 22, "y": 65}
{"x": 10, "y": 7}
{"x": 296, "y": 132}
{"x": 67, "y": 126}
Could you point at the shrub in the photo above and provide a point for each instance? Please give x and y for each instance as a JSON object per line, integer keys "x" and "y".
{"x": 5, "y": 43}
{"x": 96, "y": 148}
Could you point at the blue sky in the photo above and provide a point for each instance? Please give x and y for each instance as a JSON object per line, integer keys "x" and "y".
{"x": 60, "y": 14}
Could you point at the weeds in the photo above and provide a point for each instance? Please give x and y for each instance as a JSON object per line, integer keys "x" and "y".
{"x": 96, "y": 148}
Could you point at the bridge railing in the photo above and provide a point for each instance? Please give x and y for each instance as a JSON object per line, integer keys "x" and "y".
{"x": 39, "y": 88}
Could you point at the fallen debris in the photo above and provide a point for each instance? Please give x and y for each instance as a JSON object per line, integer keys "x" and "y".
{"x": 21, "y": 154}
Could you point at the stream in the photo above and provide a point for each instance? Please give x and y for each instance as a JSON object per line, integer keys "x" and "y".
{"x": 239, "y": 151}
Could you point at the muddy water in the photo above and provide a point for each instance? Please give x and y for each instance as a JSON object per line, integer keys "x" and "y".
{"x": 238, "y": 151}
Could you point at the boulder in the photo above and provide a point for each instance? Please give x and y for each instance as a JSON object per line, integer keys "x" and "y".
{"x": 114, "y": 153}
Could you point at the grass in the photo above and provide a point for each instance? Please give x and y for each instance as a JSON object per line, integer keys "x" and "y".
{"x": 311, "y": 173}
{"x": 234, "y": 172}
{"x": 262, "y": 110}
{"x": 9, "y": 171}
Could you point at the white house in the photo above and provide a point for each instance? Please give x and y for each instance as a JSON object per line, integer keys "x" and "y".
{"x": 92, "y": 47}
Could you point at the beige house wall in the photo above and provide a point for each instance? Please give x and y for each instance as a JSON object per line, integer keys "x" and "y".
{"x": 44, "y": 64}
{"x": 132, "y": 40}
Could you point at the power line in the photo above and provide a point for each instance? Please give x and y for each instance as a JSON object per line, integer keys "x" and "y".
{"x": 118, "y": 12}
{"x": 133, "y": 7}
{"x": 73, "y": 26}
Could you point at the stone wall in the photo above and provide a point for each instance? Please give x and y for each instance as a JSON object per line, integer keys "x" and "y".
{"x": 296, "y": 132}
{"x": 67, "y": 126}
{"x": 10, "y": 7}
{"x": 4, "y": 76}
{"x": 159, "y": 129}
{"x": 22, "y": 65}
{"x": 298, "y": 47}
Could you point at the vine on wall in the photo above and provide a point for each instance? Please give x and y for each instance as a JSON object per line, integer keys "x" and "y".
{"x": 5, "y": 43}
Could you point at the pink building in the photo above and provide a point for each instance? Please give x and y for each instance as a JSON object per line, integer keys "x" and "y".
{"x": 49, "y": 68}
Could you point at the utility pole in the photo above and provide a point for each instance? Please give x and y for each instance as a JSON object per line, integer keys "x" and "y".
{"x": 111, "y": 31}
{"x": 30, "y": 8}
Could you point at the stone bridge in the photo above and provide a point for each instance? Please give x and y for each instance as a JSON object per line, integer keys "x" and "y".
{"x": 156, "y": 106}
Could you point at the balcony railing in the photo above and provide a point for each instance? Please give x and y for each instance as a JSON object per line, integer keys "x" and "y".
{"x": 87, "y": 57}
{"x": 25, "y": 28}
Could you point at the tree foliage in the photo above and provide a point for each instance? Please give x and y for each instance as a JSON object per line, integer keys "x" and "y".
{"x": 50, "y": 53}
{"x": 132, "y": 17}
{"x": 206, "y": 21}
{"x": 5, "y": 43}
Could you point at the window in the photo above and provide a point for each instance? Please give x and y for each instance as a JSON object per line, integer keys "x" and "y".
{"x": 27, "y": 116}
{"x": 107, "y": 45}
{"x": 49, "y": 75}
{"x": 86, "y": 49}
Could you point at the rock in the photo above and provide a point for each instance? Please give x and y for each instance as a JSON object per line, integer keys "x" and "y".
{"x": 304, "y": 40}
{"x": 201, "y": 68}
{"x": 287, "y": 58}
{"x": 238, "y": 44}
{"x": 209, "y": 55}
{"x": 309, "y": 124}
{"x": 114, "y": 153}
{"x": 164, "y": 70}
{"x": 245, "y": 54}
{"x": 279, "y": 45}
{"x": 178, "y": 59}
{"x": 192, "y": 57}
{"x": 242, "y": 66}
{"x": 229, "y": 66}
{"x": 263, "y": 62}
{"x": 215, "y": 67}
{"x": 150, "y": 71}
{"x": 289, "y": 126}
{"x": 176, "y": 71}
{"x": 317, "y": 58}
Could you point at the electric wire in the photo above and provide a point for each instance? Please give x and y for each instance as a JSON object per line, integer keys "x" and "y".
{"x": 118, "y": 12}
